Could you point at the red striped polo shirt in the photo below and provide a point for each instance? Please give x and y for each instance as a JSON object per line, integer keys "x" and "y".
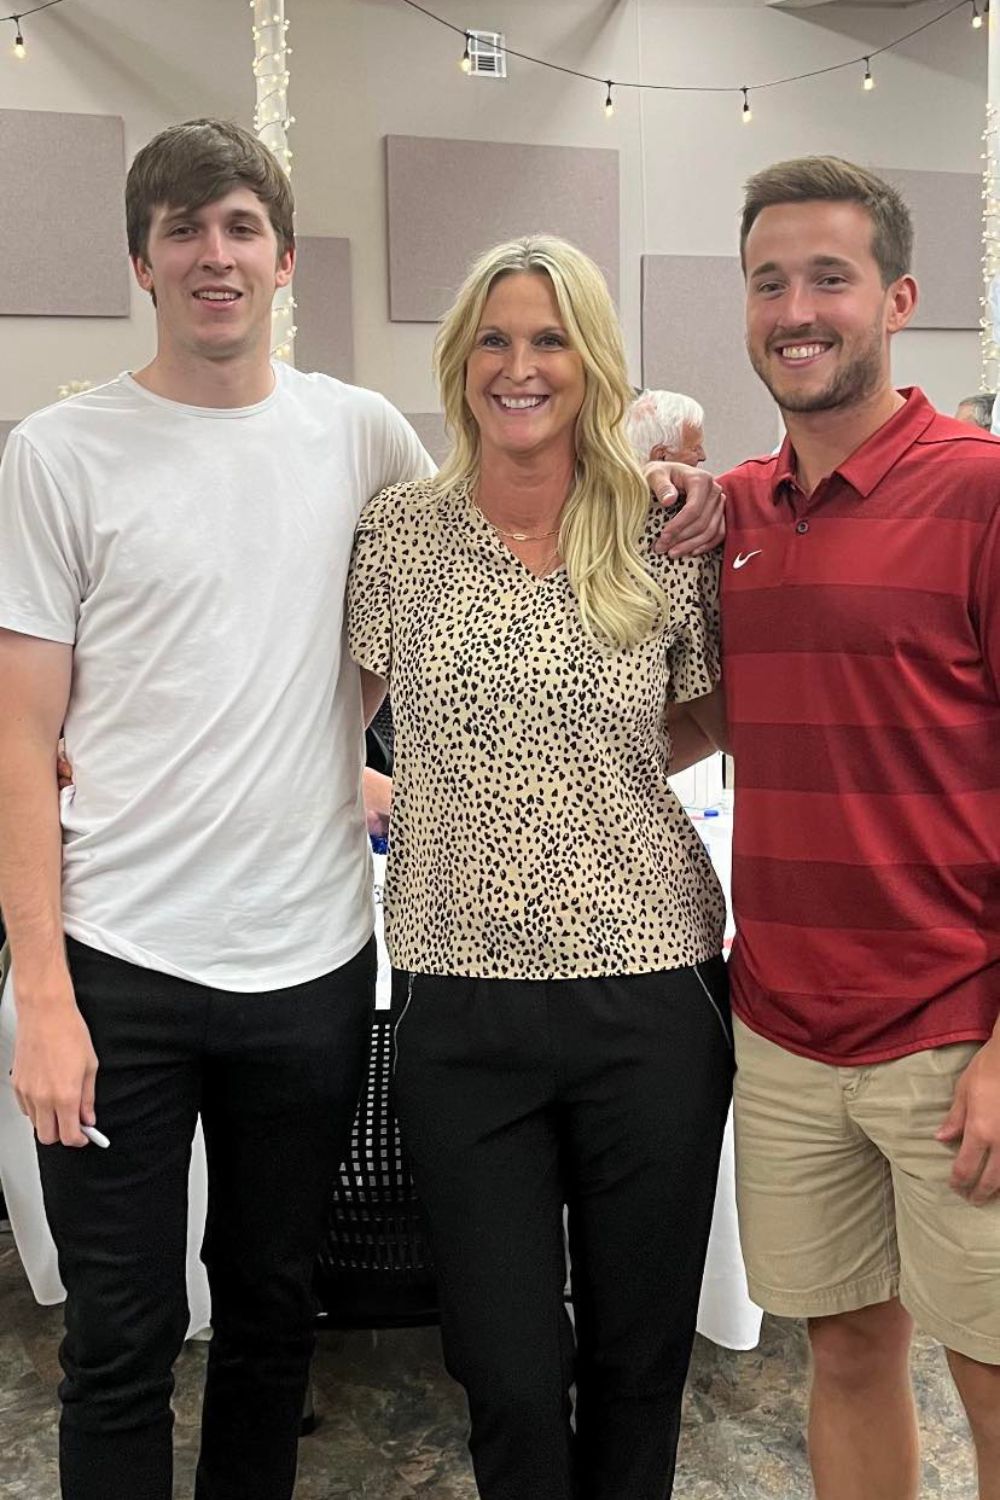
{"x": 861, "y": 640}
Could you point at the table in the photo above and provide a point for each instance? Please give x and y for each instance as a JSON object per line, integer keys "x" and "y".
{"x": 726, "y": 1315}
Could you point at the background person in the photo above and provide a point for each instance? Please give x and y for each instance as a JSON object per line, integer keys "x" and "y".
{"x": 977, "y": 409}
{"x": 563, "y": 1033}
{"x": 666, "y": 425}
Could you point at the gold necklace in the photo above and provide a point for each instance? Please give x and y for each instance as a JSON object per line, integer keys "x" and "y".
{"x": 547, "y": 567}
{"x": 516, "y": 536}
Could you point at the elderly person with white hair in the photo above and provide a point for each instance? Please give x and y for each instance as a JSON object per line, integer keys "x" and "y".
{"x": 666, "y": 426}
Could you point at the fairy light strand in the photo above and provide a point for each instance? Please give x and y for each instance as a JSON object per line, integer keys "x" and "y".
{"x": 991, "y": 249}
{"x": 272, "y": 121}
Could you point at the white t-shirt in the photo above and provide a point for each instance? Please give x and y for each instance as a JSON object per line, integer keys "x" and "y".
{"x": 196, "y": 559}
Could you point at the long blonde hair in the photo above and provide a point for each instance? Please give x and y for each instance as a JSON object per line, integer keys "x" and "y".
{"x": 608, "y": 506}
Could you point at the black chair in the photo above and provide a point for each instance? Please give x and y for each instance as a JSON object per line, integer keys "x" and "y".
{"x": 374, "y": 1269}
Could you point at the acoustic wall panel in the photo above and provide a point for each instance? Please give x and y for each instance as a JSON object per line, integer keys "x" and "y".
{"x": 692, "y": 341}
{"x": 62, "y": 224}
{"x": 947, "y": 218}
{"x": 450, "y": 200}
{"x": 429, "y": 427}
{"x": 324, "y": 319}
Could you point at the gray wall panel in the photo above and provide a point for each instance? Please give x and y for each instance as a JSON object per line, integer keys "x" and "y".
{"x": 324, "y": 318}
{"x": 62, "y": 227}
{"x": 429, "y": 427}
{"x": 692, "y": 341}
{"x": 947, "y": 217}
{"x": 5, "y": 428}
{"x": 451, "y": 200}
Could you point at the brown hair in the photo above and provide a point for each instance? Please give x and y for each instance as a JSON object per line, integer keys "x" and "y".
{"x": 829, "y": 178}
{"x": 189, "y": 165}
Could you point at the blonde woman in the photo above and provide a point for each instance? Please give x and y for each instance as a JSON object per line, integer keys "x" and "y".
{"x": 553, "y": 919}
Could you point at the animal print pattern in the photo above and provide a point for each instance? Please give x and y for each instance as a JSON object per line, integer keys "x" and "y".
{"x": 533, "y": 832}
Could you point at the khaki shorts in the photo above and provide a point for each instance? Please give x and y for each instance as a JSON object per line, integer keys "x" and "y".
{"x": 844, "y": 1198}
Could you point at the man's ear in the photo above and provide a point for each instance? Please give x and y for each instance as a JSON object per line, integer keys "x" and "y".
{"x": 659, "y": 454}
{"x": 285, "y": 268}
{"x": 903, "y": 297}
{"x": 143, "y": 272}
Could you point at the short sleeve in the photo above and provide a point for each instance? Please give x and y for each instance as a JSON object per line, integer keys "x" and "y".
{"x": 42, "y": 576}
{"x": 369, "y": 621}
{"x": 693, "y": 653}
{"x": 404, "y": 456}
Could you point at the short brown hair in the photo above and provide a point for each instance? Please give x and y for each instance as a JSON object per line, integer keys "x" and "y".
{"x": 829, "y": 178}
{"x": 189, "y": 165}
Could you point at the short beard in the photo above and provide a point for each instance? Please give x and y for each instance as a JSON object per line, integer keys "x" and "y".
{"x": 852, "y": 384}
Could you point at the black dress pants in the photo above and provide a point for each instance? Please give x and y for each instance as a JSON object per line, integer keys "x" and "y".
{"x": 608, "y": 1095}
{"x": 275, "y": 1077}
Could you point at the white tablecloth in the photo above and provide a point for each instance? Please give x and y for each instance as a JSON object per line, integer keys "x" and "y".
{"x": 725, "y": 1315}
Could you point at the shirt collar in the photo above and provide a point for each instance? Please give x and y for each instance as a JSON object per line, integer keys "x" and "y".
{"x": 867, "y": 466}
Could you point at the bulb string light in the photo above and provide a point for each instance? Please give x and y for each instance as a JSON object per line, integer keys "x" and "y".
{"x": 868, "y": 82}
{"x": 977, "y": 17}
{"x": 718, "y": 88}
{"x": 747, "y": 111}
{"x": 609, "y": 103}
{"x": 19, "y": 49}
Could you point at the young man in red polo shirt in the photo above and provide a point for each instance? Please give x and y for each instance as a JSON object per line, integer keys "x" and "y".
{"x": 861, "y": 624}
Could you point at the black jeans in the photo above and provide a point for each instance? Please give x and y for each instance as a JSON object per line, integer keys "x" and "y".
{"x": 275, "y": 1077}
{"x": 610, "y": 1095}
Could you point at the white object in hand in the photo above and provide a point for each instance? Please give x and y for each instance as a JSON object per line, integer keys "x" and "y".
{"x": 95, "y": 1136}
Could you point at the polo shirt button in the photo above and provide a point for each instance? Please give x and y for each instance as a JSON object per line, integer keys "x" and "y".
{"x": 802, "y": 527}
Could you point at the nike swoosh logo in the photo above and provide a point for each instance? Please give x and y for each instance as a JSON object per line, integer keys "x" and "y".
{"x": 740, "y": 560}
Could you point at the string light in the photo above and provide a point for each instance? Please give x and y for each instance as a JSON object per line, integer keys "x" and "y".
{"x": 991, "y": 251}
{"x": 19, "y": 48}
{"x": 466, "y": 63}
{"x": 609, "y": 103}
{"x": 977, "y": 19}
{"x": 694, "y": 88}
{"x": 272, "y": 121}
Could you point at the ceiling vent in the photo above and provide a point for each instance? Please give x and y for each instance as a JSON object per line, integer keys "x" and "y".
{"x": 487, "y": 55}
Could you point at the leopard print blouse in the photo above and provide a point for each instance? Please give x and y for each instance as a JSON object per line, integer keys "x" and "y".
{"x": 533, "y": 833}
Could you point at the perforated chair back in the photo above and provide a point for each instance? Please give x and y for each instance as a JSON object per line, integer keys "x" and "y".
{"x": 374, "y": 1269}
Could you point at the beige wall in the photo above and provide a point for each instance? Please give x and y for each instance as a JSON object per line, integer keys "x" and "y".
{"x": 363, "y": 69}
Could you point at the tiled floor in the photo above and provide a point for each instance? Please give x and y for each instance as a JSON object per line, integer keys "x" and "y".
{"x": 393, "y": 1425}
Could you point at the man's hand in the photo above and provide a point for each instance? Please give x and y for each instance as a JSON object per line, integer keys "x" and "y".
{"x": 700, "y": 524}
{"x": 64, "y": 771}
{"x": 55, "y": 1067}
{"x": 974, "y": 1118}
{"x": 376, "y": 790}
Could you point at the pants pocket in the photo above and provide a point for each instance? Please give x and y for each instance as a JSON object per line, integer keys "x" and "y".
{"x": 399, "y": 1023}
{"x": 714, "y": 982}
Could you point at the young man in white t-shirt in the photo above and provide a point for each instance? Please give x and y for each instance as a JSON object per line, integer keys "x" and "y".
{"x": 192, "y": 929}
